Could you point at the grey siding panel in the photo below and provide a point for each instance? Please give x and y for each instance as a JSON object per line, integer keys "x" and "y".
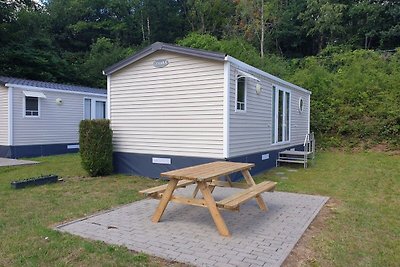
{"x": 176, "y": 110}
{"x": 251, "y": 131}
{"x": 3, "y": 116}
{"x": 57, "y": 124}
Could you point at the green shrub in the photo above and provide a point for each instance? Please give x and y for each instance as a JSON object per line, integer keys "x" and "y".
{"x": 95, "y": 144}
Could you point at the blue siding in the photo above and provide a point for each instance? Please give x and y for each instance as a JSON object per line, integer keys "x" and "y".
{"x": 141, "y": 164}
{"x": 35, "y": 150}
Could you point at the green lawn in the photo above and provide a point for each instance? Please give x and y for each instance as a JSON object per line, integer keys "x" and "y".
{"x": 364, "y": 229}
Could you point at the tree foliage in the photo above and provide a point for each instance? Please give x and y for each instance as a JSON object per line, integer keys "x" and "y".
{"x": 355, "y": 95}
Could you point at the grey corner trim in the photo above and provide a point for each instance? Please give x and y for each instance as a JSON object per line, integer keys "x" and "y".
{"x": 159, "y": 46}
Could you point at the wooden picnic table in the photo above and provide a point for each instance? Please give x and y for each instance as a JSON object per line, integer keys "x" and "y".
{"x": 207, "y": 177}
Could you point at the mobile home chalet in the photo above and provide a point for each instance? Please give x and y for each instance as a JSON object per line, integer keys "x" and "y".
{"x": 172, "y": 107}
{"x": 42, "y": 118}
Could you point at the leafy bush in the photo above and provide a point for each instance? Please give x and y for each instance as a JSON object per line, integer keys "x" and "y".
{"x": 95, "y": 144}
{"x": 355, "y": 96}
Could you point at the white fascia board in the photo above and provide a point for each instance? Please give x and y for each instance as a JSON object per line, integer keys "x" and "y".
{"x": 27, "y": 87}
{"x": 34, "y": 94}
{"x": 226, "y": 112}
{"x": 248, "y": 75}
{"x": 10, "y": 117}
{"x": 309, "y": 112}
{"x": 108, "y": 96}
{"x": 263, "y": 73}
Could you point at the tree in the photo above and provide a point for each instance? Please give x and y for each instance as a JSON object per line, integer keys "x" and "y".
{"x": 323, "y": 20}
{"x": 209, "y": 16}
{"x": 103, "y": 53}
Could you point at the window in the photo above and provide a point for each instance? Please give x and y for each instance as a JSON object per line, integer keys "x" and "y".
{"x": 280, "y": 115}
{"x": 100, "y": 110}
{"x": 31, "y": 106}
{"x": 240, "y": 94}
{"x": 94, "y": 109}
{"x": 301, "y": 105}
{"x": 88, "y": 109}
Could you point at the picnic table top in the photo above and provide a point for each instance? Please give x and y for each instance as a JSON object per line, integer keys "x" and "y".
{"x": 207, "y": 171}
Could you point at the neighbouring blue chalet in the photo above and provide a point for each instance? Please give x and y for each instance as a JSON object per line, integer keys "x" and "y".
{"x": 42, "y": 118}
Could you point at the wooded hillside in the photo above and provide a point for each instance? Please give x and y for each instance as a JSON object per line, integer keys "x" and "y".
{"x": 343, "y": 51}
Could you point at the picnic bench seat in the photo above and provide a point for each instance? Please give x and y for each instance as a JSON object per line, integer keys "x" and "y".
{"x": 232, "y": 202}
{"x": 155, "y": 191}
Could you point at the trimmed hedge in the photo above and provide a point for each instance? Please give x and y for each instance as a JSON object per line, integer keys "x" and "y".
{"x": 95, "y": 145}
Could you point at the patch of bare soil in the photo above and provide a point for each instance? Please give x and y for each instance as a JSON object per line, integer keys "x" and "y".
{"x": 162, "y": 262}
{"x": 303, "y": 253}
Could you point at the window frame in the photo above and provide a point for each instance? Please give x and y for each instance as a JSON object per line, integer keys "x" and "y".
{"x": 301, "y": 105}
{"x": 93, "y": 101}
{"x": 245, "y": 94}
{"x": 24, "y": 108}
{"x": 275, "y": 115}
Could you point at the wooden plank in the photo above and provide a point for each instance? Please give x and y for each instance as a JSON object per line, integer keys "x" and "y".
{"x": 259, "y": 199}
{"x": 228, "y": 179}
{"x": 164, "y": 200}
{"x": 212, "y": 207}
{"x": 250, "y": 193}
{"x": 162, "y": 188}
{"x": 208, "y": 171}
{"x": 195, "y": 191}
{"x": 239, "y": 193}
{"x": 189, "y": 201}
{"x": 232, "y": 184}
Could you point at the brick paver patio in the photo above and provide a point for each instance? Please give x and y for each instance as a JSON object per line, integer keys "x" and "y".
{"x": 187, "y": 234}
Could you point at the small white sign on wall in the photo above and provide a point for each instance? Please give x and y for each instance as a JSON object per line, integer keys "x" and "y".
{"x": 264, "y": 156}
{"x": 161, "y": 161}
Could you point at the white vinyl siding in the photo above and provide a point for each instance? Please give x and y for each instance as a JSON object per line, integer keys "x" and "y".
{"x": 174, "y": 110}
{"x": 57, "y": 123}
{"x": 251, "y": 131}
{"x": 3, "y": 116}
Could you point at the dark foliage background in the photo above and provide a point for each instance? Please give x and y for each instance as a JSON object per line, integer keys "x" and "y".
{"x": 343, "y": 51}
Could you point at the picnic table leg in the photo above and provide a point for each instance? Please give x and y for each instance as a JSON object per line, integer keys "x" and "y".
{"x": 196, "y": 190}
{"x": 164, "y": 200}
{"x": 250, "y": 181}
{"x": 212, "y": 206}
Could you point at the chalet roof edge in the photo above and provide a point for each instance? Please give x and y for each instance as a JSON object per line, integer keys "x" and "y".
{"x": 7, "y": 81}
{"x": 159, "y": 46}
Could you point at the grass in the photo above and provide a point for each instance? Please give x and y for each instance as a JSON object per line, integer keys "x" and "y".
{"x": 365, "y": 227}
{"x": 363, "y": 231}
{"x": 27, "y": 215}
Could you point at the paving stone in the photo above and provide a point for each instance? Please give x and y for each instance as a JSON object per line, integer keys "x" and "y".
{"x": 239, "y": 263}
{"x": 188, "y": 234}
